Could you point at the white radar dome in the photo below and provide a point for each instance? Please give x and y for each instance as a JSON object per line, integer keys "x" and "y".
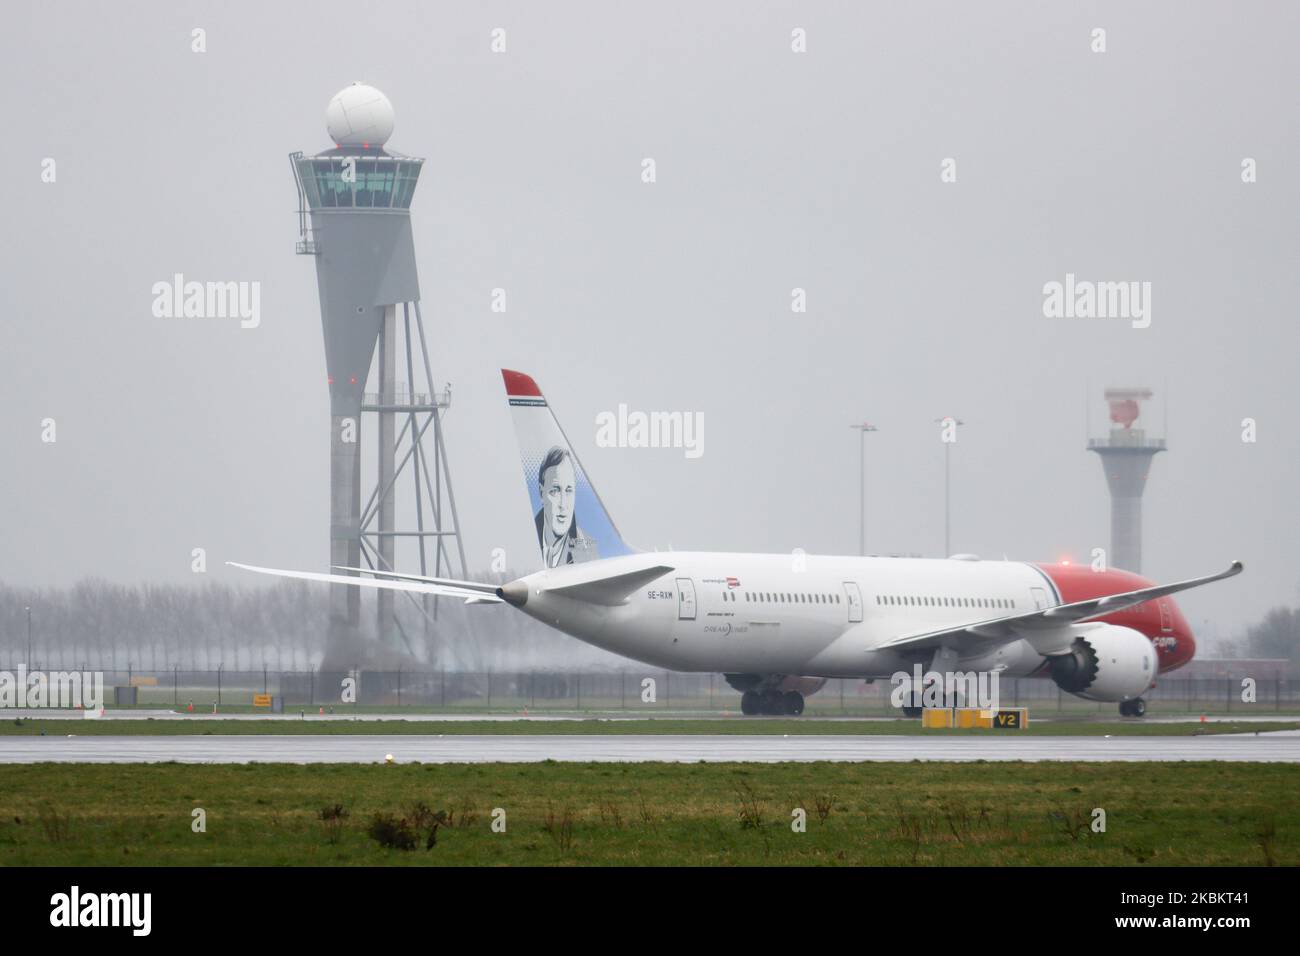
{"x": 359, "y": 115}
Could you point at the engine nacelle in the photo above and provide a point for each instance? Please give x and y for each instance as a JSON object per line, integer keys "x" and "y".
{"x": 1106, "y": 663}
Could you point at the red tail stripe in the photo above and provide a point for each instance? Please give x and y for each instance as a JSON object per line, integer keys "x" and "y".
{"x": 519, "y": 385}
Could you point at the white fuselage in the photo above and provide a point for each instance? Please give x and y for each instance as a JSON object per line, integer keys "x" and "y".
{"x": 792, "y": 614}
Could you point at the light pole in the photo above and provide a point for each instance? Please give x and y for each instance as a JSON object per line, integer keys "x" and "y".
{"x": 947, "y": 435}
{"x": 29, "y": 639}
{"x": 862, "y": 484}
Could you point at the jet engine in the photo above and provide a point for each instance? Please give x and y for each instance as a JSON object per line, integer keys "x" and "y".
{"x": 1107, "y": 663}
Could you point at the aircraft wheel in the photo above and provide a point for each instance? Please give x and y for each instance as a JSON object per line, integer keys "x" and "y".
{"x": 792, "y": 703}
{"x": 1137, "y": 707}
{"x": 750, "y": 703}
{"x": 773, "y": 703}
{"x": 912, "y": 711}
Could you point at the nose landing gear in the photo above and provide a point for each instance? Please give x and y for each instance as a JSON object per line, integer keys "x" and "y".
{"x": 1137, "y": 707}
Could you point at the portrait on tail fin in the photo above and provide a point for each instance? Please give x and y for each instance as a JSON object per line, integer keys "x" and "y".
{"x": 558, "y": 532}
{"x": 572, "y": 523}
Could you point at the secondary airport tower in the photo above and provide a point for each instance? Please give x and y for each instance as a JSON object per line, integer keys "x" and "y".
{"x": 1126, "y": 454}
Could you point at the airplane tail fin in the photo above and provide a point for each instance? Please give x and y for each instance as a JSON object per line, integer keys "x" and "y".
{"x": 571, "y": 522}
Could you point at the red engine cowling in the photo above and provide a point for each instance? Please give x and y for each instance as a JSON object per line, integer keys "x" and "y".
{"x": 1106, "y": 663}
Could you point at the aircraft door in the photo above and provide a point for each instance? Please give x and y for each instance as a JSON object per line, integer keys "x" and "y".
{"x": 854, "y": 596}
{"x": 685, "y": 599}
{"x": 1040, "y": 598}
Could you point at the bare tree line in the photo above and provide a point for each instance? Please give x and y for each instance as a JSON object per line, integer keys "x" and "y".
{"x": 1275, "y": 636}
{"x": 98, "y": 624}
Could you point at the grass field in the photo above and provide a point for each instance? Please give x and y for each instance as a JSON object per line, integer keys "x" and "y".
{"x": 777, "y": 726}
{"x": 653, "y": 814}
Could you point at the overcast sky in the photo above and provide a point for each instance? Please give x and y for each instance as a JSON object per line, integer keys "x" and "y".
{"x": 775, "y": 170}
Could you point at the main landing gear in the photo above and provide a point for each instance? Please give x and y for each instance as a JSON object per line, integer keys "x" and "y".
{"x": 772, "y": 702}
{"x": 1137, "y": 707}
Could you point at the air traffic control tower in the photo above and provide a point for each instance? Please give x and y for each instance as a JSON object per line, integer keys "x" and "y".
{"x": 354, "y": 219}
{"x": 1126, "y": 455}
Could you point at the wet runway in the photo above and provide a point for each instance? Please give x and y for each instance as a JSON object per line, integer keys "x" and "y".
{"x": 311, "y": 716}
{"x": 1278, "y": 747}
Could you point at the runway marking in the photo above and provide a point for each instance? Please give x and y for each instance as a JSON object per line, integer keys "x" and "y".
{"x": 1275, "y": 747}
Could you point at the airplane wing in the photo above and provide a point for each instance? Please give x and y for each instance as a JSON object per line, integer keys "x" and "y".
{"x": 474, "y": 592}
{"x": 1039, "y": 623}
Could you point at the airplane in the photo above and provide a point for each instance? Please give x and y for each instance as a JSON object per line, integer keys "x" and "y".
{"x": 778, "y": 626}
